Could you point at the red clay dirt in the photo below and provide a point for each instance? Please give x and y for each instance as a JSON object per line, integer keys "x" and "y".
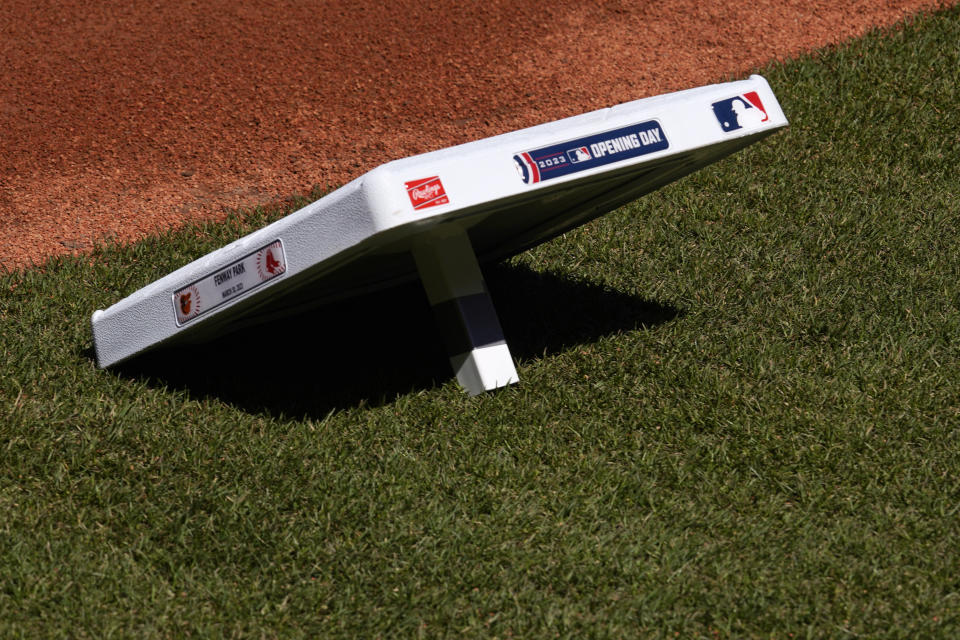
{"x": 119, "y": 118}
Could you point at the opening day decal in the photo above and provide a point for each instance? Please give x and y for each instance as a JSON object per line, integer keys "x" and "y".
{"x": 597, "y": 150}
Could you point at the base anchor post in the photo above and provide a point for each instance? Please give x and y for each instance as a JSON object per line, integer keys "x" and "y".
{"x": 465, "y": 314}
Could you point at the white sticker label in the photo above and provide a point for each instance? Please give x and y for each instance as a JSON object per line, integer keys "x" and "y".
{"x": 230, "y": 282}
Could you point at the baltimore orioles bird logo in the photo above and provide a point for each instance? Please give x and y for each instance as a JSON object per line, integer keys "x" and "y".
{"x": 185, "y": 303}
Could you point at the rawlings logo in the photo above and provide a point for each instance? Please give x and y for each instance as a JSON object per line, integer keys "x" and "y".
{"x": 426, "y": 192}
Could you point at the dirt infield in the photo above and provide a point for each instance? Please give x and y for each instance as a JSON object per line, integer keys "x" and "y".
{"x": 119, "y": 120}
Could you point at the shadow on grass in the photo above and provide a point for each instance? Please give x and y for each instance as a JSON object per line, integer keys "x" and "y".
{"x": 370, "y": 349}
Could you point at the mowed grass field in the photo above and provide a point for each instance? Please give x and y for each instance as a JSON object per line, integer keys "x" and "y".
{"x": 739, "y": 416}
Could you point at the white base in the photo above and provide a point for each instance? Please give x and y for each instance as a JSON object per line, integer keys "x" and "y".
{"x": 489, "y": 201}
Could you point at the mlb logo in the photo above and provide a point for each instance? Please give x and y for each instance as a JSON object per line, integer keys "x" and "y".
{"x": 426, "y": 192}
{"x": 740, "y": 112}
{"x": 580, "y": 154}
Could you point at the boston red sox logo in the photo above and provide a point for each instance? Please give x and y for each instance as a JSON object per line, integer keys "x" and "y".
{"x": 270, "y": 262}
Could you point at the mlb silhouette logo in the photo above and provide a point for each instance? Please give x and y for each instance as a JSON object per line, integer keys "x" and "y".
{"x": 740, "y": 112}
{"x": 580, "y": 154}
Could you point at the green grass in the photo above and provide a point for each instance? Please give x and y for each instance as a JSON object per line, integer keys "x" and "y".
{"x": 739, "y": 416}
